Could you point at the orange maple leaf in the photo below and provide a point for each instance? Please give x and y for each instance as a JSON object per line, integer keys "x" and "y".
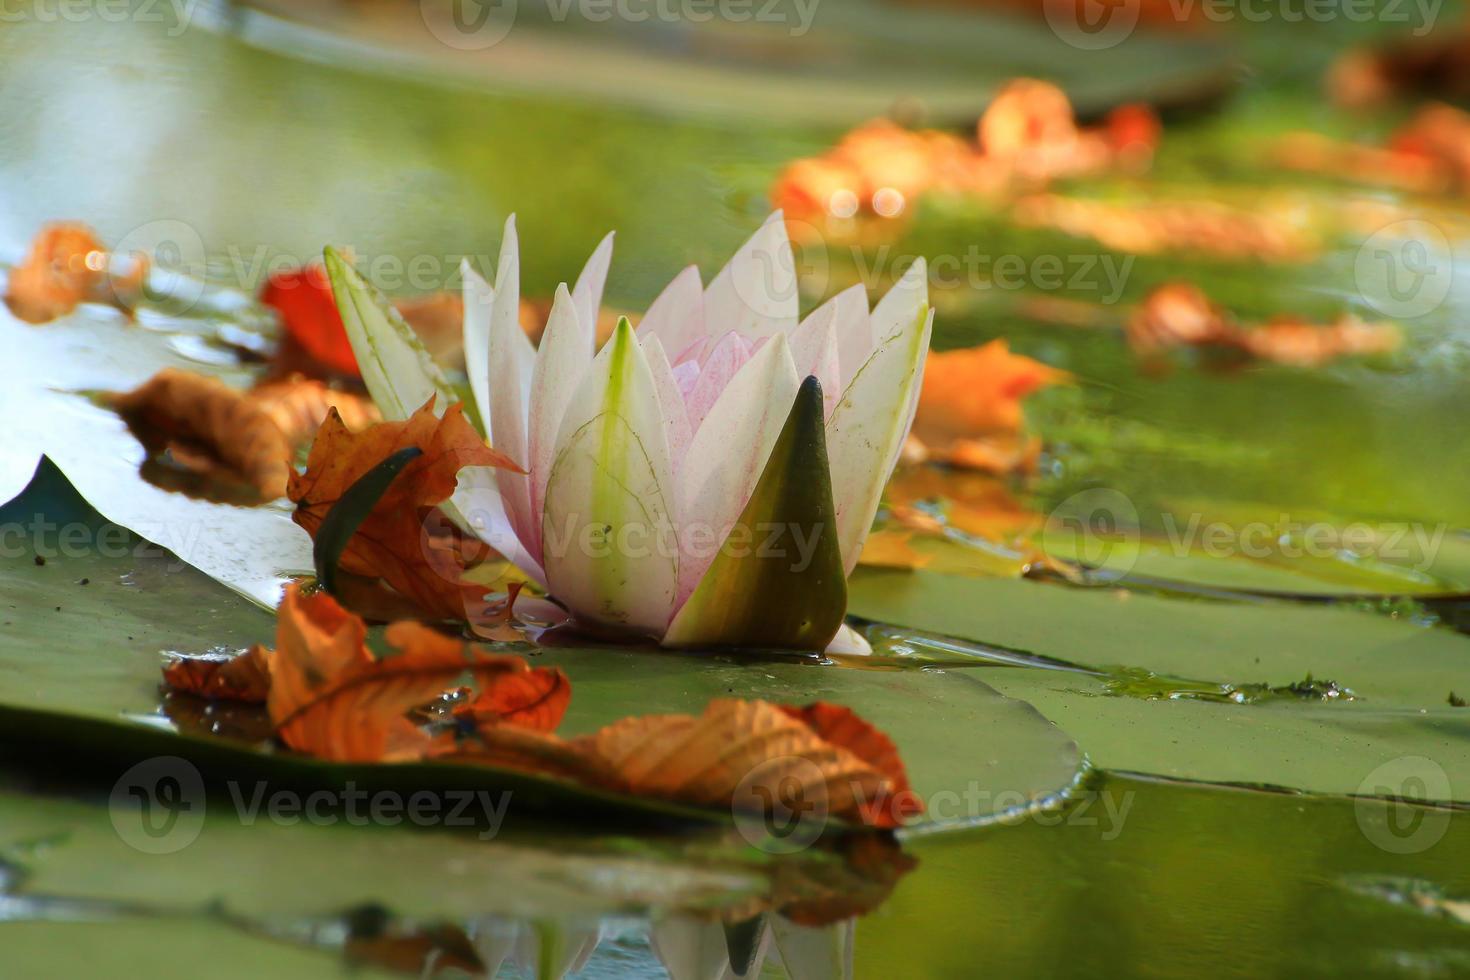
{"x": 970, "y": 406}
{"x": 331, "y": 698}
{"x": 739, "y": 752}
{"x": 401, "y": 541}
{"x": 536, "y": 699}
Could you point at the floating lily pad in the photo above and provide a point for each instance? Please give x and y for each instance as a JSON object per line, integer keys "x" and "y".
{"x": 47, "y": 411}
{"x": 1401, "y": 673}
{"x": 103, "y": 687}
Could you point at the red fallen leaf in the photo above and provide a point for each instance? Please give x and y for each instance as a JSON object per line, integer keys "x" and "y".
{"x": 424, "y": 560}
{"x": 303, "y": 298}
{"x": 221, "y": 677}
{"x": 68, "y": 265}
{"x": 331, "y": 698}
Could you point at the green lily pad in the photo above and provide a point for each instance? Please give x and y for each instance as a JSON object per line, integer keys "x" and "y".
{"x": 97, "y": 691}
{"x": 1401, "y": 673}
{"x": 47, "y": 412}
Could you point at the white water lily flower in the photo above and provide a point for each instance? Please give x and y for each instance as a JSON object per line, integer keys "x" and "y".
{"x": 684, "y": 482}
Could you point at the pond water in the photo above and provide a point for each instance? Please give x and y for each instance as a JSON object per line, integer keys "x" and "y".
{"x": 234, "y": 156}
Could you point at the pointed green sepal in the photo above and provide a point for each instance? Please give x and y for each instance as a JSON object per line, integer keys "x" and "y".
{"x": 395, "y": 365}
{"x": 777, "y": 581}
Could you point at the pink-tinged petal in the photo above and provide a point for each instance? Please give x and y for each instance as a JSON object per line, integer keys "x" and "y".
{"x": 814, "y": 349}
{"x": 608, "y": 538}
{"x": 676, "y": 317}
{"x": 728, "y": 454}
{"x": 670, "y": 402}
{"x": 587, "y": 293}
{"x": 561, "y": 364}
{"x": 756, "y": 293}
{"x": 694, "y": 353}
{"x": 867, "y": 430}
{"x": 719, "y": 366}
{"x": 512, "y": 360}
{"x": 686, "y": 374}
{"x": 895, "y": 311}
{"x": 849, "y": 313}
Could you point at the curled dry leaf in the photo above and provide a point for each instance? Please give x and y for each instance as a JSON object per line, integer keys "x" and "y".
{"x": 299, "y": 406}
{"x": 221, "y": 676}
{"x": 1273, "y": 230}
{"x": 209, "y": 428}
{"x": 68, "y": 265}
{"x": 970, "y": 408}
{"x": 404, "y": 540}
{"x": 1028, "y": 136}
{"x": 331, "y": 698}
{"x": 1181, "y": 315}
{"x": 236, "y": 445}
{"x": 755, "y": 749}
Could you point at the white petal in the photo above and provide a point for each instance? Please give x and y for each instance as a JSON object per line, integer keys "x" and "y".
{"x": 814, "y": 953}
{"x": 728, "y": 454}
{"x": 849, "y": 313}
{"x": 896, "y": 310}
{"x": 512, "y": 359}
{"x": 561, "y": 364}
{"x": 814, "y": 349}
{"x": 479, "y": 301}
{"x": 608, "y": 532}
{"x": 690, "y": 949}
{"x": 588, "y": 291}
{"x": 756, "y": 293}
{"x": 850, "y": 643}
{"x": 676, "y": 317}
{"x": 398, "y": 371}
{"x": 478, "y": 508}
{"x": 670, "y": 402}
{"x": 867, "y": 430}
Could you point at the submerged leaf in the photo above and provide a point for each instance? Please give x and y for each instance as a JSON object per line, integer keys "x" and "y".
{"x": 223, "y": 677}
